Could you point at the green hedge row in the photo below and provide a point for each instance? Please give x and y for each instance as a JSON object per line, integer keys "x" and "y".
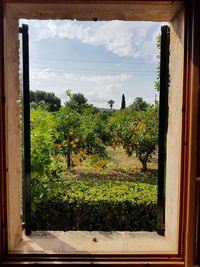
{"x": 98, "y": 206}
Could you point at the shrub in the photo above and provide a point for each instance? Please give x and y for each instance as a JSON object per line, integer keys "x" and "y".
{"x": 98, "y": 206}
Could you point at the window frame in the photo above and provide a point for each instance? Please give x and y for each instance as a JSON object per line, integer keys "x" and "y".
{"x": 189, "y": 134}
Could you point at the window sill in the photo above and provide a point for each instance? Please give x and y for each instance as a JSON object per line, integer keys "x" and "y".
{"x": 84, "y": 242}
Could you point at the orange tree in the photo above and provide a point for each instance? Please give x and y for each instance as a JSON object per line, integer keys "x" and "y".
{"x": 77, "y": 136}
{"x": 118, "y": 123}
{"x": 141, "y": 135}
{"x": 137, "y": 132}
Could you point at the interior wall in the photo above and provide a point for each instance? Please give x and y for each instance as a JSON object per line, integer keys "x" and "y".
{"x": 83, "y": 12}
{"x": 174, "y": 141}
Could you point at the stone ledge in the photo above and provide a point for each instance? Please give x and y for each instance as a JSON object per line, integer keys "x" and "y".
{"x": 93, "y": 242}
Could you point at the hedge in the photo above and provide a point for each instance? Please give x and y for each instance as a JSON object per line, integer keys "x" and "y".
{"x": 98, "y": 206}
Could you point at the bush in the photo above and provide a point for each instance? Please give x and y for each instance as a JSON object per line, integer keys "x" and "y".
{"x": 98, "y": 206}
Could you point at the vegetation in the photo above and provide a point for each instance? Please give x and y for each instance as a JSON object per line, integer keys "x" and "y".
{"x": 123, "y": 104}
{"x": 79, "y": 103}
{"x": 74, "y": 182}
{"x": 157, "y": 82}
{"x": 141, "y": 135}
{"x": 41, "y": 98}
{"x": 139, "y": 104}
{"x": 100, "y": 205}
{"x": 111, "y": 103}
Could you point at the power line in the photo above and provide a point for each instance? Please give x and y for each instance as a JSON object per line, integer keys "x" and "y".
{"x": 91, "y": 70}
{"x": 92, "y": 61}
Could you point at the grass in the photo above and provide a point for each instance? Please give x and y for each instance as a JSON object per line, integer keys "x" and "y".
{"x": 119, "y": 167}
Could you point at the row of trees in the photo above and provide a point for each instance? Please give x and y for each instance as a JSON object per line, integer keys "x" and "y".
{"x": 138, "y": 104}
{"x": 52, "y": 103}
{"x": 49, "y": 100}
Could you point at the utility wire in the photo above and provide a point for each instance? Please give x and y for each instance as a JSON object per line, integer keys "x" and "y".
{"x": 92, "y": 61}
{"x": 47, "y": 69}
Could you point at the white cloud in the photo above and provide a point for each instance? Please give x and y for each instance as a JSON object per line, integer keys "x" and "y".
{"x": 48, "y": 74}
{"x": 44, "y": 74}
{"x": 102, "y": 94}
{"x": 134, "y": 39}
{"x": 106, "y": 78}
{"x": 100, "y": 89}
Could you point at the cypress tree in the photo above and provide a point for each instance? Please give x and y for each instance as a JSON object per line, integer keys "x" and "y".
{"x": 123, "y": 105}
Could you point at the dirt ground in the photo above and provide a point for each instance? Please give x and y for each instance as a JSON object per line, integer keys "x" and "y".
{"x": 119, "y": 167}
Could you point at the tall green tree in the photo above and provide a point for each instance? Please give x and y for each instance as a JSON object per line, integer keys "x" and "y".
{"x": 139, "y": 104}
{"x": 123, "y": 104}
{"x": 79, "y": 103}
{"x": 49, "y": 99}
{"x": 79, "y": 98}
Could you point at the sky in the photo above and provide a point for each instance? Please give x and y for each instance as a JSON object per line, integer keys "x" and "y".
{"x": 101, "y": 60}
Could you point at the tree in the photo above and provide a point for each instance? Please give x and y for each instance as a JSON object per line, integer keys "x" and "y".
{"x": 123, "y": 104}
{"x": 139, "y": 104}
{"x": 78, "y": 136}
{"x": 111, "y": 103}
{"x": 79, "y": 99}
{"x": 141, "y": 135}
{"x": 32, "y": 97}
{"x": 67, "y": 125}
{"x": 49, "y": 99}
{"x": 78, "y": 102}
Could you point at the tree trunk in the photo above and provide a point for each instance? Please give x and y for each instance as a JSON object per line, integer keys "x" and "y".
{"x": 144, "y": 164}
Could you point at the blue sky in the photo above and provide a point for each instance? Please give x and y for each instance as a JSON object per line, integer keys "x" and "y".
{"x": 102, "y": 60}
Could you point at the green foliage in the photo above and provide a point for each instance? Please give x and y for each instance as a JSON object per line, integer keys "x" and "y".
{"x": 79, "y": 139}
{"x": 49, "y": 99}
{"x": 68, "y": 124}
{"x": 137, "y": 132}
{"x": 79, "y": 99}
{"x": 43, "y": 136}
{"x": 139, "y": 104}
{"x": 141, "y": 135}
{"x": 118, "y": 122}
{"x": 123, "y": 104}
{"x": 157, "y": 82}
{"x": 62, "y": 140}
{"x": 78, "y": 102}
{"x": 111, "y": 103}
{"x": 98, "y": 206}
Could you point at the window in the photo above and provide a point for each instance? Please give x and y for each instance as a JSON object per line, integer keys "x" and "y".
{"x": 14, "y": 107}
{"x": 163, "y": 132}
{"x": 173, "y": 180}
